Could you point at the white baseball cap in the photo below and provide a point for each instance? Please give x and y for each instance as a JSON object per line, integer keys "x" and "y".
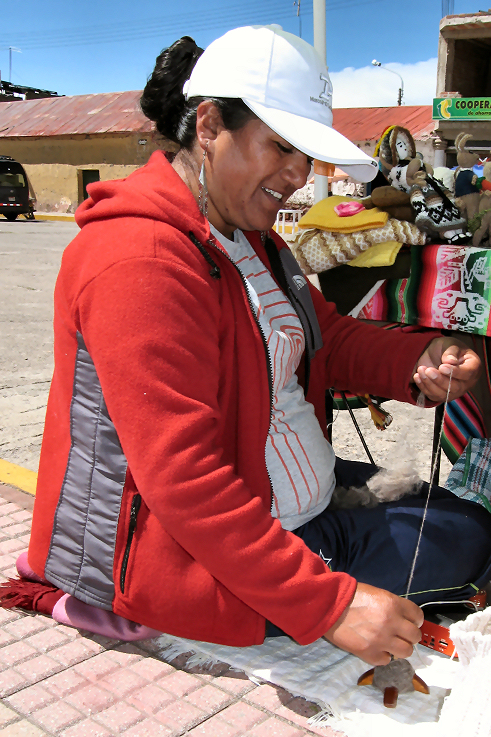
{"x": 284, "y": 81}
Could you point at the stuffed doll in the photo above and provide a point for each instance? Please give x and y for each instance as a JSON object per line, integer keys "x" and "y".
{"x": 396, "y": 203}
{"x": 467, "y": 190}
{"x": 481, "y": 223}
{"x": 436, "y": 212}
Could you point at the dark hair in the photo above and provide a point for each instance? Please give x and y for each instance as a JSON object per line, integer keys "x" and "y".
{"x": 163, "y": 100}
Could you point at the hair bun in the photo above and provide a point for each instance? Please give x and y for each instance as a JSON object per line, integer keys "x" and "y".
{"x": 163, "y": 100}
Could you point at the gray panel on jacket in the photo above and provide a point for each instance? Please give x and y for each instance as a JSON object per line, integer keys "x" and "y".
{"x": 303, "y": 300}
{"x": 81, "y": 556}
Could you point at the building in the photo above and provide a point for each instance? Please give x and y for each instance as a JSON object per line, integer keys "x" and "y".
{"x": 364, "y": 126}
{"x": 15, "y": 92}
{"x": 65, "y": 143}
{"x": 463, "y": 101}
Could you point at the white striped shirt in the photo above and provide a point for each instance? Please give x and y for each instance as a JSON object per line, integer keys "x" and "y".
{"x": 299, "y": 459}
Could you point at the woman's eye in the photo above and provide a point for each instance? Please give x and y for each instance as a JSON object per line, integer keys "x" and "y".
{"x": 284, "y": 149}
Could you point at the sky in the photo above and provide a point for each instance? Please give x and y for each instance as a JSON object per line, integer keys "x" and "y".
{"x": 79, "y": 48}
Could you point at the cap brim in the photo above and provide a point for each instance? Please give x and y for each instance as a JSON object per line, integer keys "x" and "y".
{"x": 318, "y": 140}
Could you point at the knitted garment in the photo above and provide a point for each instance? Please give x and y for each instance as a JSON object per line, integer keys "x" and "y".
{"x": 433, "y": 213}
{"x": 467, "y": 710}
{"x": 324, "y": 216}
{"x": 319, "y": 250}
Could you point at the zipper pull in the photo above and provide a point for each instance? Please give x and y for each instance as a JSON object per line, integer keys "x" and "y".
{"x": 135, "y": 508}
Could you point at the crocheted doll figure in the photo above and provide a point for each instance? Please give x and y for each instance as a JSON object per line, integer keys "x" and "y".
{"x": 467, "y": 189}
{"x": 436, "y": 212}
{"x": 481, "y": 222}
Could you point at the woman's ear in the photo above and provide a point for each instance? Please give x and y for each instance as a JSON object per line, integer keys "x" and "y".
{"x": 209, "y": 123}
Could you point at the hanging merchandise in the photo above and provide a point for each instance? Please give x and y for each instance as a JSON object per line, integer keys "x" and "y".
{"x": 436, "y": 212}
{"x": 480, "y": 225}
{"x": 467, "y": 190}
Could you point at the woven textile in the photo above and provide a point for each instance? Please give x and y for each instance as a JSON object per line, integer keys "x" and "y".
{"x": 449, "y": 287}
{"x": 470, "y": 477}
{"x": 463, "y": 420}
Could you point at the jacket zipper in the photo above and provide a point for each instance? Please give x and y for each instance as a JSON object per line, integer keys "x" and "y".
{"x": 265, "y": 346}
{"x": 135, "y": 508}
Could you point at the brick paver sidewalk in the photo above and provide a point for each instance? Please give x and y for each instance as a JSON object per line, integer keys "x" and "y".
{"x": 55, "y": 680}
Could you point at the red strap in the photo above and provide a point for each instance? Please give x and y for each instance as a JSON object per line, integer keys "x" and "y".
{"x": 30, "y": 595}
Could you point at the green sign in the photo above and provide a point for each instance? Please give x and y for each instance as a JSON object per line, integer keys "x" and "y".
{"x": 462, "y": 108}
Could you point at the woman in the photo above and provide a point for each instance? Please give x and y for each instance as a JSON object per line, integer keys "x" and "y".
{"x": 184, "y": 459}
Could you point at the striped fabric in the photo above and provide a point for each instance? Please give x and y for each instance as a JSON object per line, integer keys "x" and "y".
{"x": 463, "y": 420}
{"x": 449, "y": 288}
{"x": 300, "y": 461}
{"x": 470, "y": 477}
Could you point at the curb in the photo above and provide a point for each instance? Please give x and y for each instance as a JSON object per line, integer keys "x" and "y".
{"x": 19, "y": 477}
{"x": 61, "y": 217}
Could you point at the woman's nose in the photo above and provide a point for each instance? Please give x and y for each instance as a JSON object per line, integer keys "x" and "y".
{"x": 298, "y": 169}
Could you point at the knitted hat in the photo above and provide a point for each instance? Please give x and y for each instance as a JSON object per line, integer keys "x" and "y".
{"x": 386, "y": 147}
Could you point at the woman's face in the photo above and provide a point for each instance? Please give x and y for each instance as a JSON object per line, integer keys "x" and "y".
{"x": 250, "y": 174}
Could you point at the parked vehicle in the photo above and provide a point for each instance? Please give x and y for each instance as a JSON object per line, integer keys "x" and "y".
{"x": 16, "y": 193}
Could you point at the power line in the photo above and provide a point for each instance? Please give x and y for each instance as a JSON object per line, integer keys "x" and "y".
{"x": 151, "y": 25}
{"x": 236, "y": 15}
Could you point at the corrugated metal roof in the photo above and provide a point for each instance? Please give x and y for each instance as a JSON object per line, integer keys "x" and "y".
{"x": 112, "y": 112}
{"x": 368, "y": 124}
{"x": 119, "y": 112}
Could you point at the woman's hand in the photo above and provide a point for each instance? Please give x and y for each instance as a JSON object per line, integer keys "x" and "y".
{"x": 376, "y": 625}
{"x": 445, "y": 356}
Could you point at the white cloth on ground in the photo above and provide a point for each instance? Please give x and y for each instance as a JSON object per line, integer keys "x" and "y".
{"x": 326, "y": 675}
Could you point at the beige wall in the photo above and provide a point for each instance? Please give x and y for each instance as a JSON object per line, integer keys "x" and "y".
{"x": 120, "y": 148}
{"x": 54, "y": 164}
{"x": 57, "y": 186}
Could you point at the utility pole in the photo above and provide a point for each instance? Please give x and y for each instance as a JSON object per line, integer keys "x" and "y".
{"x": 320, "y": 27}
{"x": 297, "y": 3}
{"x": 11, "y": 48}
{"x": 321, "y": 168}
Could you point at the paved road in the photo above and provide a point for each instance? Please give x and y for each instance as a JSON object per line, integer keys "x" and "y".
{"x": 30, "y": 254}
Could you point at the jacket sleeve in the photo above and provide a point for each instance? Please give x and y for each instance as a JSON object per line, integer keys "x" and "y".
{"x": 151, "y": 326}
{"x": 365, "y": 359}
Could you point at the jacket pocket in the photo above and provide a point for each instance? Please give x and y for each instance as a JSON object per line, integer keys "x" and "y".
{"x": 135, "y": 508}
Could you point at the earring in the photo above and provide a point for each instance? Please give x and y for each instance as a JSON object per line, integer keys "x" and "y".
{"x": 203, "y": 190}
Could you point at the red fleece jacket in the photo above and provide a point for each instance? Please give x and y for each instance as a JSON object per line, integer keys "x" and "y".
{"x": 184, "y": 376}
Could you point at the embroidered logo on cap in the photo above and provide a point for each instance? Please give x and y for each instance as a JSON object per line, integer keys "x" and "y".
{"x": 325, "y": 95}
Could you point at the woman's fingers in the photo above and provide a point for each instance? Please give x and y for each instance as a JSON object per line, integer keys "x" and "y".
{"x": 446, "y": 360}
{"x": 376, "y": 625}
